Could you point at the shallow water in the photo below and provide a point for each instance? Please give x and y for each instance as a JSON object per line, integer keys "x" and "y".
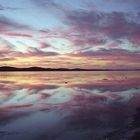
{"x": 69, "y": 106}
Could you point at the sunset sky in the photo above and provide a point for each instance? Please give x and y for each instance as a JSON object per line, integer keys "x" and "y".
{"x": 70, "y": 33}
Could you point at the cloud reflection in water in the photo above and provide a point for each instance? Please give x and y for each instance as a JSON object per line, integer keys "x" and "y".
{"x": 69, "y": 105}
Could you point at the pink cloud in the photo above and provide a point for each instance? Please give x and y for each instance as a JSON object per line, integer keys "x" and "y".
{"x": 18, "y": 35}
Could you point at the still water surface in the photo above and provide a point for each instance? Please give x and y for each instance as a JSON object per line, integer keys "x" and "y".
{"x": 70, "y": 106}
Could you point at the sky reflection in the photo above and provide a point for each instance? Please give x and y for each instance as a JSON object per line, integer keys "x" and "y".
{"x": 69, "y": 105}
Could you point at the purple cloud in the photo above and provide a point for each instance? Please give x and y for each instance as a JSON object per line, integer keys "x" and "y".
{"x": 98, "y": 27}
{"x": 37, "y": 52}
{"x": 7, "y": 24}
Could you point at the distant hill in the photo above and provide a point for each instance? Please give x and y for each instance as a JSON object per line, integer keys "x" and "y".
{"x": 7, "y": 68}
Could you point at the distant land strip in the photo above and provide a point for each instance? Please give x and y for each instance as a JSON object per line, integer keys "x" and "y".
{"x": 6, "y": 68}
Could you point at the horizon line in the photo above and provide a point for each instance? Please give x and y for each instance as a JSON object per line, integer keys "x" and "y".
{"x": 9, "y": 68}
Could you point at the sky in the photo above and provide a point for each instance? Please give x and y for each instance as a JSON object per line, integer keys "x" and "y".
{"x": 70, "y": 33}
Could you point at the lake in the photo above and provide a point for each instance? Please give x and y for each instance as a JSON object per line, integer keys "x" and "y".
{"x": 70, "y": 105}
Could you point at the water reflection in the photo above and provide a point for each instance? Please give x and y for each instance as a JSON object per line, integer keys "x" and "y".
{"x": 69, "y": 105}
